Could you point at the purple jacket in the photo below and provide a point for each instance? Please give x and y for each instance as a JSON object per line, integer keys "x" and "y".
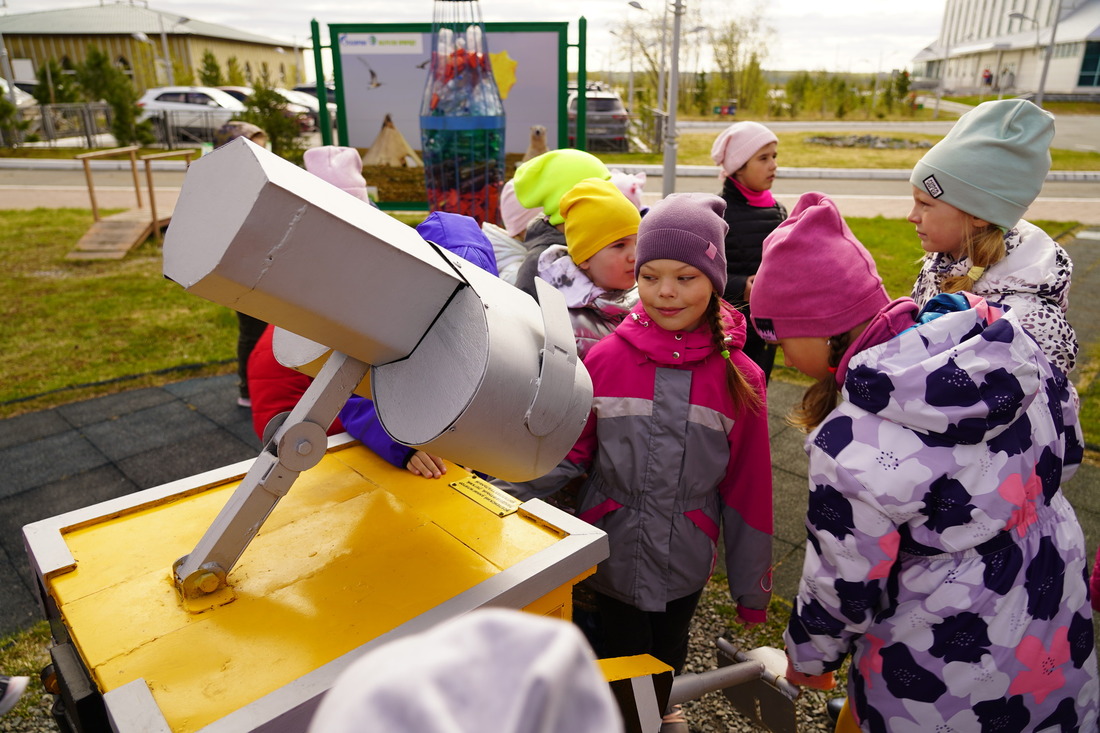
{"x": 942, "y": 555}
{"x": 360, "y": 419}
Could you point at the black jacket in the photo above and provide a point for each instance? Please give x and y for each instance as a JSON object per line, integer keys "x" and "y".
{"x": 749, "y": 225}
{"x": 541, "y": 234}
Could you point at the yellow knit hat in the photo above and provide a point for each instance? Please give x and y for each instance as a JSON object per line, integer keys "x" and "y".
{"x": 596, "y": 214}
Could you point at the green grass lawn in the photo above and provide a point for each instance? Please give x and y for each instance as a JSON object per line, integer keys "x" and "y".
{"x": 70, "y": 323}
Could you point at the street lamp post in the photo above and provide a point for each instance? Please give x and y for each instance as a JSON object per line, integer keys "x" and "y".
{"x": 5, "y": 69}
{"x": 668, "y": 174}
{"x": 1040, "y": 91}
{"x": 167, "y": 59}
{"x": 1050, "y": 52}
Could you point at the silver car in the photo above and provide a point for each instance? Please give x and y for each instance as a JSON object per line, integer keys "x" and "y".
{"x": 188, "y": 112}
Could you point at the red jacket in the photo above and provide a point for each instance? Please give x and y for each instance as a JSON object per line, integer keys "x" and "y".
{"x": 275, "y": 388}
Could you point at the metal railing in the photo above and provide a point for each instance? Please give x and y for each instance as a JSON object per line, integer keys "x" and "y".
{"x": 52, "y": 123}
{"x": 174, "y": 128}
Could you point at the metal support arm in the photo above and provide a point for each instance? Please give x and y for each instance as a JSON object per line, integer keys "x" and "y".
{"x": 298, "y": 444}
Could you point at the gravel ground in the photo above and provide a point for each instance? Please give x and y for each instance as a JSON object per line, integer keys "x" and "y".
{"x": 713, "y": 713}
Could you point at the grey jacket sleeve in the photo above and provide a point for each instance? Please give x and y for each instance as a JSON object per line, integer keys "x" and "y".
{"x": 543, "y": 486}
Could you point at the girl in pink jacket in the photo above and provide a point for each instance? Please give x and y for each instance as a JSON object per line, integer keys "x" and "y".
{"x": 676, "y": 449}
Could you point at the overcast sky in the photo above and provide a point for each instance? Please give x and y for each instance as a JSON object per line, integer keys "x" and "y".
{"x": 853, "y": 35}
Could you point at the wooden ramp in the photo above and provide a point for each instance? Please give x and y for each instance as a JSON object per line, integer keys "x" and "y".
{"x": 112, "y": 237}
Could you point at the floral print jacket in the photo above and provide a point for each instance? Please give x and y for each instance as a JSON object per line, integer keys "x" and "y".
{"x": 1033, "y": 279}
{"x": 942, "y": 555}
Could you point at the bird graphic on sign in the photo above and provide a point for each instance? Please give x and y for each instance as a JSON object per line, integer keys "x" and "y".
{"x": 373, "y": 76}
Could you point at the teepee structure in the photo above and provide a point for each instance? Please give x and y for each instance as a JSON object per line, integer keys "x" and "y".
{"x": 392, "y": 149}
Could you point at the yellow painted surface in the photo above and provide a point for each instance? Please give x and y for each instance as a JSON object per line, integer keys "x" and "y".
{"x": 640, "y": 665}
{"x": 355, "y": 549}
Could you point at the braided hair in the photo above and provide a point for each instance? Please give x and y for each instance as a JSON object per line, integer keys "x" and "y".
{"x": 745, "y": 397}
{"x": 821, "y": 397}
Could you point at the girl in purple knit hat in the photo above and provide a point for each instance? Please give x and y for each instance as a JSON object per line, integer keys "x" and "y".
{"x": 942, "y": 557}
{"x": 675, "y": 453}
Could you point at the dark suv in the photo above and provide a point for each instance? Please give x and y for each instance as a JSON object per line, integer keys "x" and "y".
{"x": 607, "y": 123}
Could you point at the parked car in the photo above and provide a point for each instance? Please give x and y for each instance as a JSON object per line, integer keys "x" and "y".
{"x": 22, "y": 99}
{"x": 311, "y": 101}
{"x": 188, "y": 112}
{"x": 607, "y": 123}
{"x": 330, "y": 90}
{"x": 294, "y": 108}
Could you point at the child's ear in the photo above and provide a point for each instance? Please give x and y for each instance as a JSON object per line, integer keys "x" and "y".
{"x": 585, "y": 265}
{"x": 978, "y": 223}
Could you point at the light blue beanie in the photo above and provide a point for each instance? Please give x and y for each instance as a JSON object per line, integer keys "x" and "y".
{"x": 992, "y": 163}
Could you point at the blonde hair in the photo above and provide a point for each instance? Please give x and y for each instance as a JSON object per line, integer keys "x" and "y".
{"x": 745, "y": 397}
{"x": 821, "y": 398}
{"x": 985, "y": 247}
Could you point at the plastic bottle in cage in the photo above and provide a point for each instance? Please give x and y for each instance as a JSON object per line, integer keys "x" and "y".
{"x": 462, "y": 117}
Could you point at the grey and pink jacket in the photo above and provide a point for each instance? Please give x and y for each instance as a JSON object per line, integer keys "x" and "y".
{"x": 943, "y": 557}
{"x": 671, "y": 467}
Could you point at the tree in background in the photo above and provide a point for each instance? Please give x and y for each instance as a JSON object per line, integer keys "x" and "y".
{"x": 96, "y": 75}
{"x": 753, "y": 85}
{"x": 901, "y": 85}
{"x": 100, "y": 79}
{"x": 701, "y": 98}
{"x": 210, "y": 73}
{"x": 182, "y": 74}
{"x": 55, "y": 85}
{"x": 266, "y": 109}
{"x": 234, "y": 74}
{"x": 10, "y": 125}
{"x": 740, "y": 47}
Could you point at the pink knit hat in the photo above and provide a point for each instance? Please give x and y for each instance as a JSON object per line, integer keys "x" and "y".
{"x": 342, "y": 167}
{"x": 512, "y": 212}
{"x": 737, "y": 143}
{"x": 815, "y": 278}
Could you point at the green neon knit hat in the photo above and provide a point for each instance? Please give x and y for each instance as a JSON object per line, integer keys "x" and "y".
{"x": 543, "y": 180}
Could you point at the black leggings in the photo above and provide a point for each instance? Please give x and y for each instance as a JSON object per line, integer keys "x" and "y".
{"x": 627, "y": 631}
{"x": 249, "y": 330}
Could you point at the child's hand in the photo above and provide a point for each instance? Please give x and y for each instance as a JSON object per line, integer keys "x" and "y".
{"x": 825, "y": 681}
{"x": 426, "y": 465}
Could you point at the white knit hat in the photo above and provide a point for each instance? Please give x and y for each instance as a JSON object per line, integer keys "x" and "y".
{"x": 493, "y": 669}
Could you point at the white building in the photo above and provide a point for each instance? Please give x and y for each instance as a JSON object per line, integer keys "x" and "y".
{"x": 1001, "y": 46}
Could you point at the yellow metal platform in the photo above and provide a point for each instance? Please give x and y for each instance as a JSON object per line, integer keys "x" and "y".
{"x": 356, "y": 553}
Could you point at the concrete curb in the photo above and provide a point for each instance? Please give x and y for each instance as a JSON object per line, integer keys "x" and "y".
{"x": 883, "y": 174}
